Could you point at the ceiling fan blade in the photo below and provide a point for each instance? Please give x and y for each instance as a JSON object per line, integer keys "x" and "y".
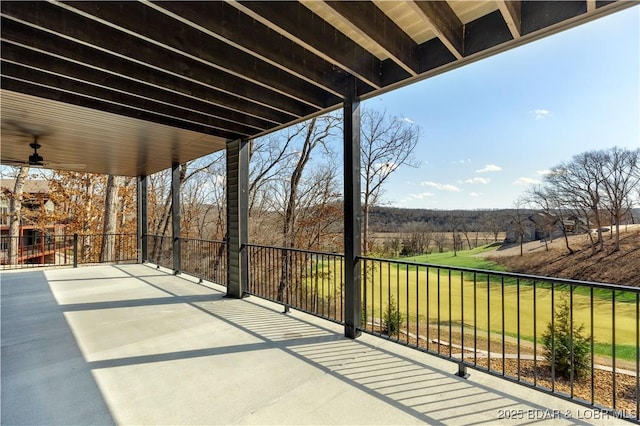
{"x": 13, "y": 162}
{"x": 64, "y": 166}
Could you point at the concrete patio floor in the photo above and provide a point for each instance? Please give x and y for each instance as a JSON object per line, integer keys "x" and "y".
{"x": 131, "y": 344}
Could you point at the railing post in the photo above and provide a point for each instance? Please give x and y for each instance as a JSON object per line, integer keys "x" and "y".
{"x": 75, "y": 250}
{"x": 352, "y": 212}
{"x": 175, "y": 216}
{"x": 143, "y": 221}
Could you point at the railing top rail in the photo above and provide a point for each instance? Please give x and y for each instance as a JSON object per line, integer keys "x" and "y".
{"x": 296, "y": 250}
{"x": 538, "y": 278}
{"x": 199, "y": 239}
{"x": 70, "y": 235}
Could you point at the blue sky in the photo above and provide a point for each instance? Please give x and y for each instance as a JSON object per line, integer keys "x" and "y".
{"x": 490, "y": 128}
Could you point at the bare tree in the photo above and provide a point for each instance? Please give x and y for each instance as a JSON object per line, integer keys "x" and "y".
{"x": 15, "y": 210}
{"x": 107, "y": 251}
{"x": 387, "y": 143}
{"x": 315, "y": 134}
{"x": 552, "y": 204}
{"x": 417, "y": 238}
{"x": 579, "y": 183}
{"x": 619, "y": 177}
{"x": 518, "y": 221}
{"x": 494, "y": 221}
{"x": 320, "y": 210}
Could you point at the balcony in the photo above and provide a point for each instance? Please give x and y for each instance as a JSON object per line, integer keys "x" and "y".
{"x": 136, "y": 344}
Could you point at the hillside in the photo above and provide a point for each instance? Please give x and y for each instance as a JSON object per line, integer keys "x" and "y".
{"x": 621, "y": 267}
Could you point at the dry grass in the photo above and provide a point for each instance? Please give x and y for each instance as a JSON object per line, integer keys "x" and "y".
{"x": 608, "y": 266}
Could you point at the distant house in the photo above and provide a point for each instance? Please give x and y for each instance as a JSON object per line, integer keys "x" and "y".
{"x": 542, "y": 225}
{"x": 35, "y": 240}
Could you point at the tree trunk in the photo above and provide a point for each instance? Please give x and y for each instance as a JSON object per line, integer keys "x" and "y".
{"x": 16, "y": 215}
{"x": 86, "y": 228}
{"x": 365, "y": 226}
{"x": 107, "y": 252}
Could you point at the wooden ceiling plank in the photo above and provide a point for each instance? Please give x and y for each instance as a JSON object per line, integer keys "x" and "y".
{"x": 161, "y": 31}
{"x": 444, "y": 23}
{"x": 538, "y": 15}
{"x": 511, "y": 11}
{"x": 39, "y": 60}
{"x": 371, "y": 22}
{"x": 486, "y": 32}
{"x": 299, "y": 24}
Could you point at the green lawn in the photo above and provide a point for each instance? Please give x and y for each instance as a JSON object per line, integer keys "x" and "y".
{"x": 422, "y": 292}
{"x": 463, "y": 259}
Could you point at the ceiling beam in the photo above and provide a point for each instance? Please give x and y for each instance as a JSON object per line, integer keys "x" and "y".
{"x": 370, "y": 22}
{"x": 95, "y": 37}
{"x": 126, "y": 60}
{"x": 92, "y": 92}
{"x": 27, "y": 37}
{"x": 227, "y": 24}
{"x": 32, "y": 59}
{"x": 299, "y": 24}
{"x": 147, "y": 26}
{"x": 56, "y": 94}
{"x": 511, "y": 11}
{"x": 444, "y": 23}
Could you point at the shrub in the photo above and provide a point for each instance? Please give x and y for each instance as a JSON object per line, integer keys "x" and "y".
{"x": 559, "y": 340}
{"x": 392, "y": 318}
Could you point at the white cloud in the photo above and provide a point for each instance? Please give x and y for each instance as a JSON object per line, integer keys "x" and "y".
{"x": 407, "y": 120}
{"x": 450, "y": 188}
{"x": 421, "y": 195}
{"x": 475, "y": 194}
{"x": 544, "y": 172}
{"x": 540, "y": 113}
{"x": 525, "y": 181}
{"x": 445, "y": 187}
{"x": 489, "y": 168}
{"x": 478, "y": 180}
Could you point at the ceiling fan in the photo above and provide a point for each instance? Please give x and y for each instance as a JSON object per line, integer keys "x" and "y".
{"x": 36, "y": 160}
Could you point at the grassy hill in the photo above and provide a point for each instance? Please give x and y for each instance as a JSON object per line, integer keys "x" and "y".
{"x": 608, "y": 266}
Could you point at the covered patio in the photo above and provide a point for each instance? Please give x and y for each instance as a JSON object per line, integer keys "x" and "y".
{"x": 132, "y": 344}
{"x": 134, "y": 88}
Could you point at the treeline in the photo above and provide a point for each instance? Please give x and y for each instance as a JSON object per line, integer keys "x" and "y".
{"x": 394, "y": 219}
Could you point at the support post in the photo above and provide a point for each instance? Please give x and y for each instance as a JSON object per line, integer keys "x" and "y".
{"x": 237, "y": 218}
{"x": 175, "y": 216}
{"x": 75, "y": 250}
{"x": 143, "y": 220}
{"x": 352, "y": 213}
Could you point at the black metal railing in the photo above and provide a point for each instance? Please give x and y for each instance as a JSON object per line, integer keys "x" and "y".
{"x": 160, "y": 250}
{"x": 578, "y": 340}
{"x": 66, "y": 249}
{"x": 520, "y": 327}
{"x": 206, "y": 259}
{"x": 305, "y": 280}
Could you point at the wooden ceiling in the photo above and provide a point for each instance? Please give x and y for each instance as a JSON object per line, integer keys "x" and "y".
{"x": 129, "y": 87}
